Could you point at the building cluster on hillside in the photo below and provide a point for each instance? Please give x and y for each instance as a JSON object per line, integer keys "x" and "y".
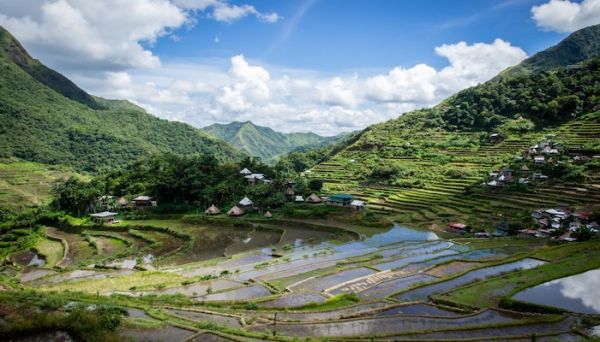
{"x": 561, "y": 223}
{"x": 529, "y": 167}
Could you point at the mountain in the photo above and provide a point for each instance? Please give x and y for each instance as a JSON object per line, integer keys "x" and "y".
{"x": 46, "y": 118}
{"x": 576, "y": 48}
{"x": 263, "y": 141}
{"x": 426, "y": 167}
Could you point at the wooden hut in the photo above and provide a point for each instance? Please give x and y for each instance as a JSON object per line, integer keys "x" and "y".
{"x": 246, "y": 202}
{"x": 313, "y": 198}
{"x": 235, "y": 211}
{"x": 212, "y": 210}
{"x": 268, "y": 214}
{"x": 143, "y": 202}
{"x": 104, "y": 217}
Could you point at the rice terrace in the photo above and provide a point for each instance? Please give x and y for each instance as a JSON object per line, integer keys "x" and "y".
{"x": 299, "y": 171}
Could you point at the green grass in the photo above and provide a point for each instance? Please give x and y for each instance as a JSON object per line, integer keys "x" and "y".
{"x": 26, "y": 183}
{"x": 51, "y": 250}
{"x": 137, "y": 280}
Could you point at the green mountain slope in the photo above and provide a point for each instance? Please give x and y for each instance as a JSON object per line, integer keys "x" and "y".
{"x": 426, "y": 166}
{"x": 577, "y": 47}
{"x": 263, "y": 141}
{"x": 46, "y": 118}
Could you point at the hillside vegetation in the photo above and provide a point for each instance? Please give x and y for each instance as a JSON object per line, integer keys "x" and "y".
{"x": 426, "y": 167}
{"x": 264, "y": 142}
{"x": 45, "y": 118}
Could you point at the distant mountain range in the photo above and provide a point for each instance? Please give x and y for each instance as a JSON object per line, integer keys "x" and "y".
{"x": 264, "y": 142}
{"x": 46, "y": 118}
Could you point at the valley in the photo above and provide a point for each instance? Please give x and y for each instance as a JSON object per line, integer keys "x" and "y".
{"x": 474, "y": 219}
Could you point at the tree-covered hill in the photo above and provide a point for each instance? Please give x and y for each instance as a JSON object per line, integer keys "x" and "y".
{"x": 576, "y": 48}
{"x": 263, "y": 141}
{"x": 46, "y": 118}
{"x": 428, "y": 165}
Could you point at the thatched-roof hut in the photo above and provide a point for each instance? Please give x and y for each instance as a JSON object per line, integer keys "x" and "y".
{"x": 268, "y": 214}
{"x": 122, "y": 201}
{"x": 235, "y": 211}
{"x": 212, "y": 210}
{"x": 246, "y": 202}
{"x": 313, "y": 198}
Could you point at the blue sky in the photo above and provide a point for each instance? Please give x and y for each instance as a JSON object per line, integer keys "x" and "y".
{"x": 326, "y": 66}
{"x": 340, "y": 35}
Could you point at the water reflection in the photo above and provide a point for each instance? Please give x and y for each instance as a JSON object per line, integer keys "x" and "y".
{"x": 577, "y": 293}
{"x": 400, "y": 233}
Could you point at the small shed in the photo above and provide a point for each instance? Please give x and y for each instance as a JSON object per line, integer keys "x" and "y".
{"x": 246, "y": 202}
{"x": 299, "y": 199}
{"x": 235, "y": 211}
{"x": 104, "y": 217}
{"x": 268, "y": 214}
{"x": 359, "y": 205}
{"x": 457, "y": 226}
{"x": 212, "y": 210}
{"x": 143, "y": 201}
{"x": 313, "y": 198}
{"x": 245, "y": 172}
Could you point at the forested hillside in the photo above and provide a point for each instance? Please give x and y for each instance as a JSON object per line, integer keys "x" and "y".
{"x": 428, "y": 165}
{"x": 46, "y": 118}
{"x": 264, "y": 142}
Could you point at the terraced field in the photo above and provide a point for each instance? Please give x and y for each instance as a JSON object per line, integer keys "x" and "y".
{"x": 320, "y": 290}
{"x": 27, "y": 183}
{"x": 448, "y": 168}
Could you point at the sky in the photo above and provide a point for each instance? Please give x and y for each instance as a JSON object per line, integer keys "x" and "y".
{"x": 326, "y": 66}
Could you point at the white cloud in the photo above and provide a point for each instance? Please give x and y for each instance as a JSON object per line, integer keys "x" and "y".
{"x": 109, "y": 34}
{"x": 106, "y": 35}
{"x": 469, "y": 65}
{"x": 565, "y": 15}
{"x": 300, "y": 100}
{"x": 101, "y": 46}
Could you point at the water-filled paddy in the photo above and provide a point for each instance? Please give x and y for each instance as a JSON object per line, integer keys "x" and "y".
{"x": 293, "y": 300}
{"x": 385, "y": 325}
{"x": 244, "y": 293}
{"x": 422, "y": 293}
{"x": 577, "y": 293}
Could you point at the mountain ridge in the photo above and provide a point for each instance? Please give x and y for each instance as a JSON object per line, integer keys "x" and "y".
{"x": 46, "y": 118}
{"x": 264, "y": 142}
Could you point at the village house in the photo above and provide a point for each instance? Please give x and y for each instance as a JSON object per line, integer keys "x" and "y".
{"x": 299, "y": 199}
{"x": 458, "y": 227}
{"x": 313, "y": 198}
{"x": 340, "y": 199}
{"x": 142, "y": 202}
{"x": 358, "y": 205}
{"x": 245, "y": 202}
{"x": 235, "y": 211}
{"x": 212, "y": 210}
{"x": 105, "y": 217}
{"x": 539, "y": 159}
{"x": 245, "y": 172}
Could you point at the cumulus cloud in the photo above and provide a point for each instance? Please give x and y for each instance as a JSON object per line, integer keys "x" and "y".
{"x": 102, "y": 46}
{"x": 106, "y": 35}
{"x": 300, "y": 100}
{"x": 109, "y": 34}
{"x": 565, "y": 15}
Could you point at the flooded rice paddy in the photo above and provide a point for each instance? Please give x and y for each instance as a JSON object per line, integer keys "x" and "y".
{"x": 422, "y": 293}
{"x": 239, "y": 278}
{"x": 577, "y": 293}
